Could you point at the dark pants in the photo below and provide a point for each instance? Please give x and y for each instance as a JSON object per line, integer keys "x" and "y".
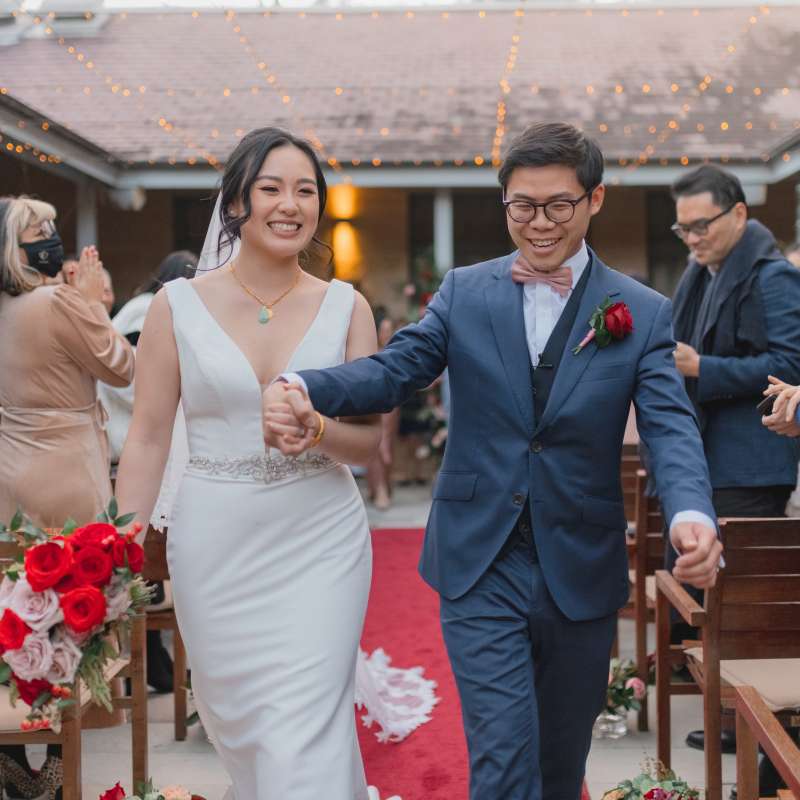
{"x": 531, "y": 681}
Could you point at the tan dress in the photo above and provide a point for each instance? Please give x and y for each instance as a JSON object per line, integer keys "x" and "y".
{"x": 54, "y": 346}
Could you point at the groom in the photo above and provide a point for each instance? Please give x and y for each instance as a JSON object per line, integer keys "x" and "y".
{"x": 526, "y": 537}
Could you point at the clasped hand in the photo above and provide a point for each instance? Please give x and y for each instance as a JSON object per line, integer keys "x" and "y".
{"x": 782, "y": 419}
{"x": 699, "y": 551}
{"x": 288, "y": 418}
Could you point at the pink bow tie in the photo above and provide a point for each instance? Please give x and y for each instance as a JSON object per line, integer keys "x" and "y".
{"x": 559, "y": 280}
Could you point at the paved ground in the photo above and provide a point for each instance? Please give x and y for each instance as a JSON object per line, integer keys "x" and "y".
{"x": 194, "y": 764}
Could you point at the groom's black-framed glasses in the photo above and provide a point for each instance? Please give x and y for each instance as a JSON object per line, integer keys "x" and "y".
{"x": 560, "y": 210}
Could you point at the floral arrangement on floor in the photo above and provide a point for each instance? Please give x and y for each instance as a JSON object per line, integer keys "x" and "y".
{"x": 625, "y": 688}
{"x": 68, "y": 595}
{"x": 147, "y": 792}
{"x": 655, "y": 782}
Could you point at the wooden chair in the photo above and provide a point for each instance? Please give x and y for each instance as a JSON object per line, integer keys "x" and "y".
{"x": 155, "y": 569}
{"x": 749, "y": 628}
{"x": 629, "y": 466}
{"x": 757, "y": 725}
{"x": 648, "y": 556}
{"x": 132, "y": 667}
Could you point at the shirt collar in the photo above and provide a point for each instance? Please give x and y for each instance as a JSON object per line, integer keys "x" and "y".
{"x": 578, "y": 263}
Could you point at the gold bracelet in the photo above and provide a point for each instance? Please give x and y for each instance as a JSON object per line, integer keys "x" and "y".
{"x": 318, "y": 436}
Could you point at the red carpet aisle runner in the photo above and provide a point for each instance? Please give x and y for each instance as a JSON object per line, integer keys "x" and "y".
{"x": 403, "y": 619}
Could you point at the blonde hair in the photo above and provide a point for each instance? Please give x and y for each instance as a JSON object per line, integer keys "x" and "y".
{"x": 17, "y": 214}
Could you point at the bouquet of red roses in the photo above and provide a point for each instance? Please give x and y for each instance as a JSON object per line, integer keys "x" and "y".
{"x": 63, "y": 601}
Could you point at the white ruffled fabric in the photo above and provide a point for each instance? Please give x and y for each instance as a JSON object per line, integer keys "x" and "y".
{"x": 399, "y": 700}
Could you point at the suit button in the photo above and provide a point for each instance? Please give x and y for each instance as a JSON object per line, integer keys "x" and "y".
{"x": 536, "y": 446}
{"x": 519, "y": 499}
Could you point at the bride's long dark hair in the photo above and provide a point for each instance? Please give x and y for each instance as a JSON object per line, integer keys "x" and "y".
{"x": 241, "y": 172}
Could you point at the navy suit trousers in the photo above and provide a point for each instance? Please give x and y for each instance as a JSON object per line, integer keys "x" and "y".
{"x": 531, "y": 681}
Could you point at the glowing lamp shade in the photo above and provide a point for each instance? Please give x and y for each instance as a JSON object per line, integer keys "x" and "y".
{"x": 342, "y": 201}
{"x": 346, "y": 252}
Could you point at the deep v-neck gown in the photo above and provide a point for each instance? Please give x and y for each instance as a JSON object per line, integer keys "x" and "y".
{"x": 270, "y": 562}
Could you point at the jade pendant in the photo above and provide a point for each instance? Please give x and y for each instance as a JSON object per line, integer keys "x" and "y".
{"x": 265, "y": 315}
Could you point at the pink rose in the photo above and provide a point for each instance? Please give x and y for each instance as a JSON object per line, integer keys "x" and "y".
{"x": 34, "y": 659}
{"x": 639, "y": 689}
{"x": 118, "y": 599}
{"x": 6, "y": 590}
{"x": 66, "y": 658}
{"x": 39, "y": 610}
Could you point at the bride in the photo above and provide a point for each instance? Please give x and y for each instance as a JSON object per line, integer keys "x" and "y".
{"x": 269, "y": 556}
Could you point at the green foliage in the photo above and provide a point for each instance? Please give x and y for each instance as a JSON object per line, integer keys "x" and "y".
{"x": 654, "y": 782}
{"x": 620, "y": 696}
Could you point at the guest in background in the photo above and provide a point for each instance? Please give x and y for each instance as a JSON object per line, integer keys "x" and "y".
{"x": 56, "y": 340}
{"x": 118, "y": 401}
{"x": 792, "y": 254}
{"x": 379, "y": 469}
{"x": 128, "y": 322}
{"x": 108, "y": 291}
{"x": 737, "y": 320}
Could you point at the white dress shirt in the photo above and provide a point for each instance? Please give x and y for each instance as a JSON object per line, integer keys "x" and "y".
{"x": 542, "y": 305}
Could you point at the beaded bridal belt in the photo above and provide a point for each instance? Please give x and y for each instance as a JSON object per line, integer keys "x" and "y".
{"x": 260, "y": 469}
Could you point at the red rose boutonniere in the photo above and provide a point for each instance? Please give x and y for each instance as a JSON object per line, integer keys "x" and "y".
{"x": 610, "y": 322}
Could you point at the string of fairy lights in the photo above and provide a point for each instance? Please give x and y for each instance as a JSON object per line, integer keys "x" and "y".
{"x": 673, "y": 125}
{"x": 124, "y": 90}
{"x": 149, "y": 99}
{"x": 272, "y": 80}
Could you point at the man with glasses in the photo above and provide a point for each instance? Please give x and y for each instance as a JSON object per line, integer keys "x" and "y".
{"x": 737, "y": 320}
{"x": 526, "y": 538}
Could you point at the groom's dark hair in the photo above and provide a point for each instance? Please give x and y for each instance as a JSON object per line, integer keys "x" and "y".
{"x": 555, "y": 143}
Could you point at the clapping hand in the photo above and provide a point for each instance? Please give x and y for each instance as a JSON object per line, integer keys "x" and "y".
{"x": 87, "y": 276}
{"x": 700, "y": 551}
{"x": 289, "y": 420}
{"x": 787, "y": 398}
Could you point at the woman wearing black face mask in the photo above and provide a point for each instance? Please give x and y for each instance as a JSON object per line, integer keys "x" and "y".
{"x": 56, "y": 341}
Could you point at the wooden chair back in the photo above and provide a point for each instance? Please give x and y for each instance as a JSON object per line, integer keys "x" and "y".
{"x": 754, "y": 610}
{"x": 629, "y": 466}
{"x": 156, "y": 569}
{"x": 649, "y": 551}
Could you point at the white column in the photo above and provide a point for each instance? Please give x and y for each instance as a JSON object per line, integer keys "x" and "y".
{"x": 443, "y": 242}
{"x": 86, "y": 232}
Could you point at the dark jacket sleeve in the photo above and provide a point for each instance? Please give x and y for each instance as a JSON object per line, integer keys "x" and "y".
{"x": 732, "y": 377}
{"x": 413, "y": 359}
{"x": 668, "y": 426}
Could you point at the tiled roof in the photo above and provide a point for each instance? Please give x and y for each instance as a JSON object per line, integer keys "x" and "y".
{"x": 422, "y": 86}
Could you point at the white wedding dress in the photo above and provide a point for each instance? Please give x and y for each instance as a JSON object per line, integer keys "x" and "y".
{"x": 270, "y": 560}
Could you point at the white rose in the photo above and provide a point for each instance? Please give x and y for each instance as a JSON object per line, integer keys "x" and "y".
{"x": 40, "y": 610}
{"x": 118, "y": 599}
{"x": 66, "y": 659}
{"x": 6, "y": 590}
{"x": 34, "y": 659}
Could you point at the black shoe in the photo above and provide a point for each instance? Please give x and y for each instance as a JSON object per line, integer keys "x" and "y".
{"x": 697, "y": 740}
{"x": 734, "y": 795}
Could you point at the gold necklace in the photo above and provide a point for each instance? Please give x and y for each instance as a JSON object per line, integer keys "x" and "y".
{"x": 265, "y": 312}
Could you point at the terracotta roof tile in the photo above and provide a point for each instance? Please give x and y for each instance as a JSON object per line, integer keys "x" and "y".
{"x": 430, "y": 83}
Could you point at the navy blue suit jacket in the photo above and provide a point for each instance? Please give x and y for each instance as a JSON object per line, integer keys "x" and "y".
{"x": 567, "y": 463}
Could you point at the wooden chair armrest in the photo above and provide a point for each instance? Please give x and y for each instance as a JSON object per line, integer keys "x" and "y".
{"x": 777, "y": 744}
{"x": 680, "y": 599}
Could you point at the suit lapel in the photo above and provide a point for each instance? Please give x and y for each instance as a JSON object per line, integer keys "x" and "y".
{"x": 504, "y": 301}
{"x": 571, "y": 367}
